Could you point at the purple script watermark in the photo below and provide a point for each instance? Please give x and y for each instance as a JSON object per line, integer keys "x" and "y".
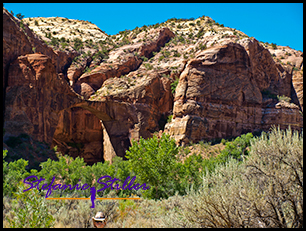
{"x": 50, "y": 187}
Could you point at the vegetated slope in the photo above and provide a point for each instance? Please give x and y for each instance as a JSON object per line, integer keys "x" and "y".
{"x": 59, "y": 27}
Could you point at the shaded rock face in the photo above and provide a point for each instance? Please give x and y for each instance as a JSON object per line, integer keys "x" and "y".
{"x": 31, "y": 107}
{"x": 36, "y": 94}
{"x": 219, "y": 95}
{"x": 18, "y": 40}
{"x": 79, "y": 133}
{"x": 54, "y": 114}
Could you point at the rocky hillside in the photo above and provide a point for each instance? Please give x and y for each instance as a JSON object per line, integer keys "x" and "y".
{"x": 69, "y": 29}
{"x": 70, "y": 85}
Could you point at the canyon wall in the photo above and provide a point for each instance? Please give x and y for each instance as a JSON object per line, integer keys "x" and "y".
{"x": 220, "y": 94}
{"x": 227, "y": 85}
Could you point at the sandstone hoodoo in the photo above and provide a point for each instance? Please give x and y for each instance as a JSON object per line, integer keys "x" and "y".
{"x": 68, "y": 84}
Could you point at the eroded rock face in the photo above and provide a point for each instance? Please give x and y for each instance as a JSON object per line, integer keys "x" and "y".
{"x": 268, "y": 75}
{"x": 219, "y": 95}
{"x": 54, "y": 114}
{"x": 297, "y": 82}
{"x": 31, "y": 107}
{"x": 15, "y": 42}
{"x": 18, "y": 40}
{"x": 87, "y": 84}
{"x": 121, "y": 61}
{"x": 292, "y": 61}
{"x": 144, "y": 101}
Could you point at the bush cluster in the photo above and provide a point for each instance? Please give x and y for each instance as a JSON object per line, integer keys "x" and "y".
{"x": 266, "y": 190}
{"x": 154, "y": 161}
{"x": 253, "y": 182}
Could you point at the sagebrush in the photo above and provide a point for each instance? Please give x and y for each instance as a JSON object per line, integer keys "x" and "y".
{"x": 260, "y": 185}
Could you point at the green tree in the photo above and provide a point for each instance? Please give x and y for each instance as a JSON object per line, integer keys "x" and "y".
{"x": 190, "y": 173}
{"x": 239, "y": 147}
{"x": 20, "y": 16}
{"x": 13, "y": 172}
{"x": 154, "y": 162}
{"x": 66, "y": 170}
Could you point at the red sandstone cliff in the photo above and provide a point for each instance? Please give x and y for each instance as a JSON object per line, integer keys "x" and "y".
{"x": 220, "y": 94}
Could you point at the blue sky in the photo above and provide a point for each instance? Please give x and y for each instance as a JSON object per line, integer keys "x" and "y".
{"x": 280, "y": 23}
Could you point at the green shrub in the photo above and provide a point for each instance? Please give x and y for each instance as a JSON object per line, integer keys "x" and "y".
{"x": 174, "y": 85}
{"x": 202, "y": 46}
{"x": 145, "y": 59}
{"x": 169, "y": 119}
{"x": 161, "y": 58}
{"x": 54, "y": 41}
{"x": 13, "y": 172}
{"x": 166, "y": 53}
{"x": 19, "y": 16}
{"x": 148, "y": 66}
{"x": 181, "y": 39}
{"x": 200, "y": 33}
{"x": 78, "y": 44}
{"x": 284, "y": 98}
{"x": 30, "y": 210}
{"x": 64, "y": 45}
{"x": 274, "y": 46}
{"x": 176, "y": 54}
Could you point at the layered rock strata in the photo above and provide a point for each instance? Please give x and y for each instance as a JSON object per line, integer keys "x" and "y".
{"x": 220, "y": 94}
